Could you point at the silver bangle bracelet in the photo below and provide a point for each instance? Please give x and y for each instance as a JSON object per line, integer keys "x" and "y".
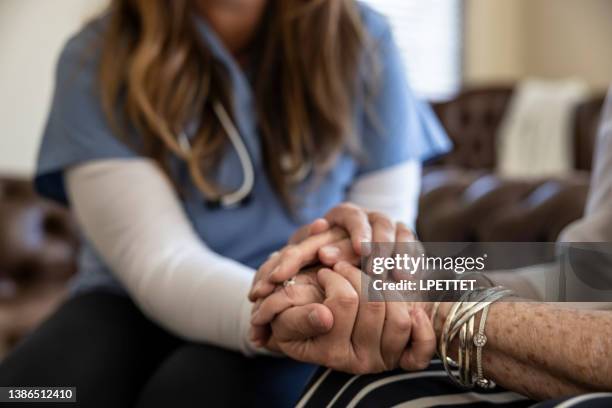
{"x": 461, "y": 322}
{"x": 480, "y": 340}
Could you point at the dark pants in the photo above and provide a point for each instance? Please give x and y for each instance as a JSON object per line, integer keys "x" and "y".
{"x": 103, "y": 345}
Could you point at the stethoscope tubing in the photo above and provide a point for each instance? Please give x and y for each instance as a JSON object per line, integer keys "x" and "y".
{"x": 248, "y": 181}
{"x": 248, "y": 170}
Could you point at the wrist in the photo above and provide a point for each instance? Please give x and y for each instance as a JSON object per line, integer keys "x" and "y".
{"x": 465, "y": 322}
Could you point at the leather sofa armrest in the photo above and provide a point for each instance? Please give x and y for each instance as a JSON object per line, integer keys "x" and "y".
{"x": 476, "y": 206}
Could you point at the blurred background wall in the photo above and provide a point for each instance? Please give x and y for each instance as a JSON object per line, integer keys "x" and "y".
{"x": 31, "y": 35}
{"x": 503, "y": 41}
{"x": 506, "y": 40}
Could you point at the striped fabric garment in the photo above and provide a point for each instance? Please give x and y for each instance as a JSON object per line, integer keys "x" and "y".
{"x": 428, "y": 388}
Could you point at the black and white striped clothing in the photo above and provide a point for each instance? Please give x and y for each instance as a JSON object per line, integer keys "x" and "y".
{"x": 595, "y": 400}
{"x": 428, "y": 388}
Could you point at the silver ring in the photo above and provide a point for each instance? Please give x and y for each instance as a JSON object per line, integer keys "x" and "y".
{"x": 289, "y": 282}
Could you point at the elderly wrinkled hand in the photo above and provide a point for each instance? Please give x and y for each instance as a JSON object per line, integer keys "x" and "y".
{"x": 350, "y": 334}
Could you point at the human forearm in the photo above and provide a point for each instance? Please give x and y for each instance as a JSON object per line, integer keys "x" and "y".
{"x": 130, "y": 212}
{"x": 527, "y": 378}
{"x": 544, "y": 350}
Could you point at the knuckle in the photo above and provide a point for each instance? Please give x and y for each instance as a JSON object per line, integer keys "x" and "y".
{"x": 347, "y": 206}
{"x": 375, "y": 307}
{"x": 382, "y": 221}
{"x": 291, "y": 251}
{"x": 347, "y": 300}
{"x": 402, "y": 322}
{"x": 350, "y": 209}
{"x": 375, "y": 215}
{"x": 385, "y": 223}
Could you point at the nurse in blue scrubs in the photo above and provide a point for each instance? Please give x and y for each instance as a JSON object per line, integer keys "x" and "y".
{"x": 289, "y": 107}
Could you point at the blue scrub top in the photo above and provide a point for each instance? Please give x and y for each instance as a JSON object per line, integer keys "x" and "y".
{"x": 77, "y": 132}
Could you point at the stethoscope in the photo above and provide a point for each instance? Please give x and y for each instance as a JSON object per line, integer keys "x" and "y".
{"x": 242, "y": 194}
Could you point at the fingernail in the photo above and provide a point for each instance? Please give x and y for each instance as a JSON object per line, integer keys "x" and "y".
{"x": 330, "y": 251}
{"x": 314, "y": 319}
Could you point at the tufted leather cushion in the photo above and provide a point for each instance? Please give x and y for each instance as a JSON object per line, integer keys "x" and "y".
{"x": 471, "y": 120}
{"x": 473, "y": 206}
{"x": 38, "y": 239}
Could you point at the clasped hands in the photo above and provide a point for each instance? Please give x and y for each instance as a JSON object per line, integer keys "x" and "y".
{"x": 322, "y": 318}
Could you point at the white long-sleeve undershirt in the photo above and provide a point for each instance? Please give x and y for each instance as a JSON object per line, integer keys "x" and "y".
{"x": 130, "y": 212}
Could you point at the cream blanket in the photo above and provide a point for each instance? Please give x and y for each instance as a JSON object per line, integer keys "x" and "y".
{"x": 535, "y": 138}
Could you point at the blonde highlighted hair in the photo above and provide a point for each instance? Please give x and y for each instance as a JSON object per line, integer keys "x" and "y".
{"x": 157, "y": 74}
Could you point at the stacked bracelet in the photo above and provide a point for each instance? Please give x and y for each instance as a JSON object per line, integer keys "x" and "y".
{"x": 479, "y": 341}
{"x": 461, "y": 322}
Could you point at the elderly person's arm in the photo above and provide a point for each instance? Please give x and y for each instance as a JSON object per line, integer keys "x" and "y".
{"x": 545, "y": 350}
{"x": 536, "y": 349}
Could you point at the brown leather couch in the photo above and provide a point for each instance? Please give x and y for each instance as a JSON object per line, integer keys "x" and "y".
{"x": 38, "y": 249}
{"x": 461, "y": 201}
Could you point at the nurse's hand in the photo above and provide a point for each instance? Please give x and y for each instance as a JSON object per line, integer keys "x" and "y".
{"x": 360, "y": 226}
{"x": 303, "y": 250}
{"x": 366, "y": 337}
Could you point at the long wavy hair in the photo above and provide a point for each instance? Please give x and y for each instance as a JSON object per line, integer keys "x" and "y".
{"x": 161, "y": 75}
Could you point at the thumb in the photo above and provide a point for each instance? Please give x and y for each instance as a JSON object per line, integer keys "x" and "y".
{"x": 302, "y": 322}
